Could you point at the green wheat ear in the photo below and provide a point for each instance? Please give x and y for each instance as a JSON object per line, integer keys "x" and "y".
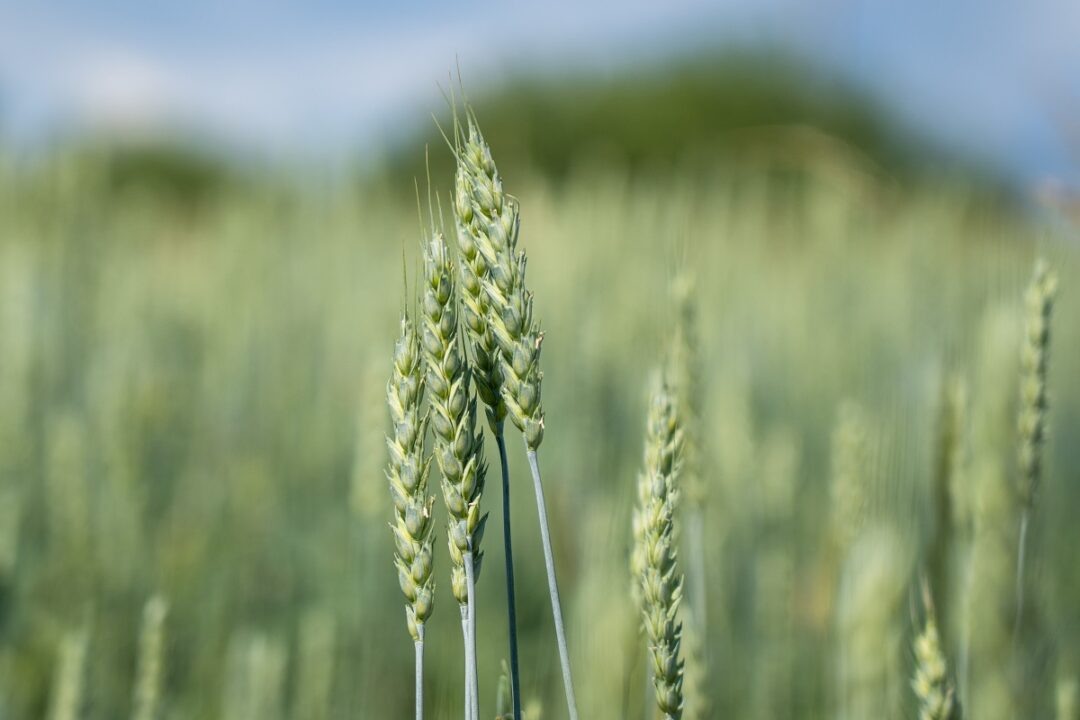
{"x": 1031, "y": 424}
{"x": 931, "y": 684}
{"x": 1034, "y": 358}
{"x": 151, "y": 667}
{"x": 69, "y": 681}
{"x": 413, "y": 528}
{"x": 659, "y": 578}
{"x": 413, "y": 525}
{"x": 492, "y": 221}
{"x": 459, "y": 448}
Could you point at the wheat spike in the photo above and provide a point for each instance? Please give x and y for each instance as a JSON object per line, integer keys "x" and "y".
{"x": 1034, "y": 356}
{"x": 659, "y": 578}
{"x": 931, "y": 684}
{"x": 492, "y": 219}
{"x": 151, "y": 667}
{"x": 459, "y": 445}
{"x": 407, "y": 472}
{"x": 459, "y": 448}
{"x": 69, "y": 682}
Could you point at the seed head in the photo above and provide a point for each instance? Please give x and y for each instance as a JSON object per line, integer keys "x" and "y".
{"x": 931, "y": 682}
{"x": 459, "y": 446}
{"x": 147, "y": 696}
{"x": 474, "y": 303}
{"x": 490, "y": 220}
{"x": 659, "y": 582}
{"x": 407, "y": 471}
{"x": 1034, "y": 355}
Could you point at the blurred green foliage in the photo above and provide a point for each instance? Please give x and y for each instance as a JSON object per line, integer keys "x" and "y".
{"x": 191, "y": 404}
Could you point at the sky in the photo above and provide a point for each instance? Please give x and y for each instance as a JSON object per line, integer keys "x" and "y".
{"x": 999, "y": 80}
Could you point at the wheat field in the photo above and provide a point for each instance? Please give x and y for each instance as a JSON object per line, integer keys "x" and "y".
{"x": 193, "y": 499}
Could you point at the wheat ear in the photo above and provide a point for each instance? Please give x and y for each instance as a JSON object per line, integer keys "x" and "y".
{"x": 459, "y": 444}
{"x": 494, "y": 217}
{"x": 685, "y": 373}
{"x": 413, "y": 527}
{"x": 659, "y": 579}
{"x": 1031, "y": 424}
{"x": 473, "y": 270}
{"x": 151, "y": 667}
{"x": 931, "y": 684}
{"x": 69, "y": 683}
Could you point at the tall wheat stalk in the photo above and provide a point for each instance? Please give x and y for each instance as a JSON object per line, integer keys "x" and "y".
{"x": 473, "y": 269}
{"x": 459, "y": 444}
{"x": 413, "y": 526}
{"x": 494, "y": 219}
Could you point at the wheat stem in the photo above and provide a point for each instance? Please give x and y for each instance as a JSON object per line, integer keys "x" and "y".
{"x": 553, "y": 585}
{"x": 1021, "y": 555}
{"x": 474, "y": 694}
{"x": 418, "y": 645}
{"x": 468, "y": 664}
{"x": 511, "y": 604}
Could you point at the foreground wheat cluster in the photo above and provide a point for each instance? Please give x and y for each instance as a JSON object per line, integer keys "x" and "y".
{"x": 482, "y": 343}
{"x": 759, "y": 446}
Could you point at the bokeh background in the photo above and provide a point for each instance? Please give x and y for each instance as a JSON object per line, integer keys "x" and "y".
{"x": 204, "y": 210}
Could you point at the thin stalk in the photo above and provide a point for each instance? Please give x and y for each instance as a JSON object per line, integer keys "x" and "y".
{"x": 1021, "y": 552}
{"x": 419, "y": 646}
{"x": 468, "y": 661}
{"x": 470, "y": 578}
{"x": 511, "y": 604}
{"x": 553, "y": 586}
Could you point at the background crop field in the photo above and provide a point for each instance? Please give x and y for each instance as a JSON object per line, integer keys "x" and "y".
{"x": 192, "y": 405}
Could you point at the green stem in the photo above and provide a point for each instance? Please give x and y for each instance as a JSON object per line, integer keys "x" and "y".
{"x": 1021, "y": 553}
{"x": 470, "y": 579}
{"x": 553, "y": 587}
{"x": 468, "y": 661}
{"x": 419, "y": 646}
{"x": 508, "y": 553}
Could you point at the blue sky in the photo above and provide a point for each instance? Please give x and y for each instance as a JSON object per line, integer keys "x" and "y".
{"x": 998, "y": 79}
